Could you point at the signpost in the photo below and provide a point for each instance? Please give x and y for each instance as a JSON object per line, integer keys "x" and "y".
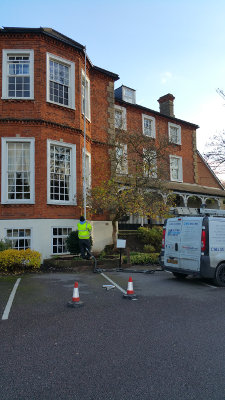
{"x": 121, "y": 244}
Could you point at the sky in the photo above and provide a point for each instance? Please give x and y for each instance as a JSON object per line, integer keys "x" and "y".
{"x": 155, "y": 46}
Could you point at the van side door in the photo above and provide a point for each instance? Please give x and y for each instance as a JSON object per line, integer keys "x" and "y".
{"x": 190, "y": 245}
{"x": 172, "y": 243}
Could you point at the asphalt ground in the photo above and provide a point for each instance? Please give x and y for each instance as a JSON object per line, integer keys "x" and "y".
{"x": 168, "y": 344}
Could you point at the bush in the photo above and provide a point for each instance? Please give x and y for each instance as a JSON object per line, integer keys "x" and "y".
{"x": 148, "y": 248}
{"x": 143, "y": 258}
{"x": 5, "y": 244}
{"x": 152, "y": 236}
{"x": 12, "y": 260}
{"x": 72, "y": 243}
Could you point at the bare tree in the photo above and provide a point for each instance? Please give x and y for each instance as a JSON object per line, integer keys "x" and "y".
{"x": 215, "y": 153}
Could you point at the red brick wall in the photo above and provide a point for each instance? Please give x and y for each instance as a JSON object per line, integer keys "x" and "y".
{"x": 205, "y": 177}
{"x": 185, "y": 150}
{"x": 70, "y": 123}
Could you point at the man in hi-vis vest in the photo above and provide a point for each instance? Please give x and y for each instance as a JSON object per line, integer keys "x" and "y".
{"x": 84, "y": 233}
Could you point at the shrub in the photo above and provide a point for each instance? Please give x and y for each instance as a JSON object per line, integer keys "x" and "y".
{"x": 148, "y": 248}
{"x": 143, "y": 258}
{"x": 151, "y": 236}
{"x": 72, "y": 243}
{"x": 5, "y": 244}
{"x": 12, "y": 260}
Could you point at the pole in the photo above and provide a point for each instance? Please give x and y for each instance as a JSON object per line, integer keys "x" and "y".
{"x": 84, "y": 154}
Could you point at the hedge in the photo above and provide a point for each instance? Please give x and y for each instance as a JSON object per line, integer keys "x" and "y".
{"x": 151, "y": 236}
{"x": 12, "y": 260}
{"x": 143, "y": 258}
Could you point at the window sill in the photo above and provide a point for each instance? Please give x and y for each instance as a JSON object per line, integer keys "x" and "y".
{"x": 61, "y": 106}
{"x": 54, "y": 203}
{"x": 7, "y": 203}
{"x": 17, "y": 100}
{"x": 174, "y": 143}
{"x": 87, "y": 118}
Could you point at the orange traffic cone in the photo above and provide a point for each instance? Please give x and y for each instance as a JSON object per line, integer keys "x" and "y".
{"x": 76, "y": 298}
{"x": 130, "y": 290}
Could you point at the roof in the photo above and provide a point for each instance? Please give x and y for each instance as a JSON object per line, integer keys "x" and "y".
{"x": 155, "y": 112}
{"x": 59, "y": 36}
{"x": 210, "y": 169}
{"x": 194, "y": 188}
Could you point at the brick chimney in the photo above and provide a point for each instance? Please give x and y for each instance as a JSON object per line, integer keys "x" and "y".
{"x": 166, "y": 105}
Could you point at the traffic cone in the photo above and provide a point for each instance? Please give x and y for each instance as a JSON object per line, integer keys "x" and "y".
{"x": 130, "y": 290}
{"x": 76, "y": 298}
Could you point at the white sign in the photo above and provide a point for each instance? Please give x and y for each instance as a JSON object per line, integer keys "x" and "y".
{"x": 121, "y": 244}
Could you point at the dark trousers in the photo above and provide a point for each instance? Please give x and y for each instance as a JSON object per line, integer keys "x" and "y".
{"x": 84, "y": 244}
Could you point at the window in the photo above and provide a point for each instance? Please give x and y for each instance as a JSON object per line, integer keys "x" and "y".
{"x": 17, "y": 170}
{"x": 87, "y": 169}
{"x": 18, "y": 74}
{"x": 150, "y": 163}
{"x": 85, "y": 96}
{"x": 129, "y": 95}
{"x": 148, "y": 125}
{"x": 120, "y": 118}
{"x": 176, "y": 173}
{"x": 121, "y": 159}
{"x": 60, "y": 81}
{"x": 59, "y": 236}
{"x": 174, "y": 133}
{"x": 61, "y": 173}
{"x": 20, "y": 239}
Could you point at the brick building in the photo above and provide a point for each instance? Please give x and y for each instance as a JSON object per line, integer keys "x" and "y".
{"x": 188, "y": 175}
{"x": 42, "y": 136}
{"x": 42, "y": 89}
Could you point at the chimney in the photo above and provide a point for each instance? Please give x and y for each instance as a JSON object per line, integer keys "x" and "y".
{"x": 166, "y": 105}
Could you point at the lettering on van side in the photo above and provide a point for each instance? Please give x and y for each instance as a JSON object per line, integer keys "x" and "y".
{"x": 173, "y": 232}
{"x": 192, "y": 248}
{"x": 191, "y": 223}
{"x": 217, "y": 248}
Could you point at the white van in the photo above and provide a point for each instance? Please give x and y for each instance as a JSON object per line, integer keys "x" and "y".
{"x": 195, "y": 246}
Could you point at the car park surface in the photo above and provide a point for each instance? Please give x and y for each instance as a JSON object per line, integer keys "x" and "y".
{"x": 169, "y": 344}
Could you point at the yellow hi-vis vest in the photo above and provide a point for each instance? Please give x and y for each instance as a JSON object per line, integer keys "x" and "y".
{"x": 84, "y": 230}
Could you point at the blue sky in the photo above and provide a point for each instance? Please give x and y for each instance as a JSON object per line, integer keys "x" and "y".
{"x": 156, "y": 47}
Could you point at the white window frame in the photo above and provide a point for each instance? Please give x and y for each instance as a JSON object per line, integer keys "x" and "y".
{"x": 5, "y": 53}
{"x": 178, "y": 127}
{"x": 128, "y": 95}
{"x": 71, "y": 91}
{"x": 4, "y": 180}
{"x": 122, "y": 169}
{"x": 124, "y": 117}
{"x": 153, "y": 174}
{"x": 152, "y": 119}
{"x": 72, "y": 187}
{"x": 59, "y": 236}
{"x": 180, "y": 169}
{"x": 22, "y": 237}
{"x": 88, "y": 178}
{"x": 88, "y": 97}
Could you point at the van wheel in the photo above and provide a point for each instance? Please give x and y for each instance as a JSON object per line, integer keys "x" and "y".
{"x": 220, "y": 275}
{"x": 179, "y": 275}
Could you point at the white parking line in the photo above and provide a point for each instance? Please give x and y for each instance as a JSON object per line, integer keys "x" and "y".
{"x": 206, "y": 284}
{"x": 114, "y": 283}
{"x": 10, "y": 301}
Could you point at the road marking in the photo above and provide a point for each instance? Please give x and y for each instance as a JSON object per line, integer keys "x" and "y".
{"x": 114, "y": 283}
{"x": 206, "y": 284}
{"x": 10, "y": 301}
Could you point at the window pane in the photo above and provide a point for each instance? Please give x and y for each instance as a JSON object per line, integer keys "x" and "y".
{"x": 59, "y": 173}
{"x": 18, "y": 163}
{"x": 59, "y": 240}
{"x": 58, "y": 82}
